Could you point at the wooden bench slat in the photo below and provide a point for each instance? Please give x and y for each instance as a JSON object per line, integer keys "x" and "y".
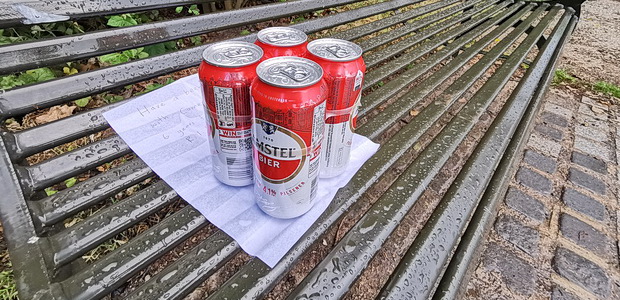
{"x": 361, "y": 243}
{"x": 12, "y": 11}
{"x": 416, "y": 275}
{"x": 30, "y": 55}
{"x": 26, "y": 99}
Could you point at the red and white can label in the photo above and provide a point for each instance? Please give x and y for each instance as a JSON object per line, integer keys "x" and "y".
{"x": 231, "y": 144}
{"x": 286, "y": 168}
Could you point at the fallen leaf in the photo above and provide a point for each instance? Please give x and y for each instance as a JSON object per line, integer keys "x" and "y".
{"x": 55, "y": 113}
{"x": 414, "y": 113}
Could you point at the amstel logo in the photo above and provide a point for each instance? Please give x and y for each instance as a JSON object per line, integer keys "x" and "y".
{"x": 281, "y": 153}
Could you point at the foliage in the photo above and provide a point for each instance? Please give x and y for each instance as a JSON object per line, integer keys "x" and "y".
{"x": 50, "y": 191}
{"x": 71, "y": 182}
{"x": 28, "y": 77}
{"x": 8, "y": 291}
{"x": 193, "y": 9}
{"x": 607, "y": 89}
{"x": 123, "y": 20}
{"x": 123, "y": 57}
{"x": 82, "y": 102}
{"x": 562, "y": 76}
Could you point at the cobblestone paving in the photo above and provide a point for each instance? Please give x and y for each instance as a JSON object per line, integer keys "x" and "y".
{"x": 556, "y": 234}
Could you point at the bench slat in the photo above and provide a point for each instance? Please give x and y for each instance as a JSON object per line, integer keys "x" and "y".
{"x": 402, "y": 106}
{"x": 12, "y": 11}
{"x": 106, "y": 274}
{"x": 257, "y": 279}
{"x": 438, "y": 14}
{"x": 361, "y": 243}
{"x": 468, "y": 29}
{"x": 82, "y": 195}
{"x": 455, "y": 275}
{"x": 53, "y": 134}
{"x": 71, "y": 243}
{"x": 30, "y": 55}
{"x": 25, "y": 99}
{"x": 418, "y": 272}
{"x": 49, "y": 172}
{"x": 72, "y": 163}
{"x": 185, "y": 274}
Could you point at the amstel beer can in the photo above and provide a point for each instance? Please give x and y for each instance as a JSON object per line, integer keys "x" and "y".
{"x": 226, "y": 72}
{"x": 289, "y": 117}
{"x": 344, "y": 70}
{"x": 282, "y": 41}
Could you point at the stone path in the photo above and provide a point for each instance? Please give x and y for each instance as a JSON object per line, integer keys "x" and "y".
{"x": 556, "y": 233}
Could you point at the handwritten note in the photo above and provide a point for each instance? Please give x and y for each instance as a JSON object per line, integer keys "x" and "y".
{"x": 167, "y": 129}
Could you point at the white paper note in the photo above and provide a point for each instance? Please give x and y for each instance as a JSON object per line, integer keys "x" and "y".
{"x": 167, "y": 129}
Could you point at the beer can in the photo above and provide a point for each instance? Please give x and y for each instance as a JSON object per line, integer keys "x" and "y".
{"x": 344, "y": 69}
{"x": 289, "y": 116}
{"x": 226, "y": 73}
{"x": 282, "y": 41}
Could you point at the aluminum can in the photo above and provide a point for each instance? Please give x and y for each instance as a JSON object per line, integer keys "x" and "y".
{"x": 282, "y": 41}
{"x": 344, "y": 69}
{"x": 226, "y": 73}
{"x": 289, "y": 117}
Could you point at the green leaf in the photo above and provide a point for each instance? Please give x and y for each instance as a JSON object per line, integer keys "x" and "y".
{"x": 179, "y": 9}
{"x": 157, "y": 49}
{"x": 82, "y": 102}
{"x": 169, "y": 80}
{"x": 41, "y": 74}
{"x": 114, "y": 58}
{"x": 122, "y": 21}
{"x": 143, "y": 55}
{"x": 194, "y": 10}
{"x": 50, "y": 191}
{"x": 244, "y": 32}
{"x": 171, "y": 45}
{"x": 70, "y": 182}
{"x": 112, "y": 98}
{"x": 10, "y": 81}
{"x": 196, "y": 40}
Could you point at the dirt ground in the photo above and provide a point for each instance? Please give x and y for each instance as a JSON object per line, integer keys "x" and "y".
{"x": 593, "y": 53}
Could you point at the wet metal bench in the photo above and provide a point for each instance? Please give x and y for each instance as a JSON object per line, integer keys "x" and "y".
{"x": 450, "y": 92}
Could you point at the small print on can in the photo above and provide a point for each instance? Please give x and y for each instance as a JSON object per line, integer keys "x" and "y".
{"x": 226, "y": 72}
{"x": 282, "y": 41}
{"x": 289, "y": 117}
{"x": 344, "y": 69}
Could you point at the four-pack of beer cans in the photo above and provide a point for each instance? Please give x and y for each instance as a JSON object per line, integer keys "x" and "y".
{"x": 281, "y": 113}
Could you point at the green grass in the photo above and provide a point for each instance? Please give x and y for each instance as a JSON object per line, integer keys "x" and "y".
{"x": 8, "y": 291}
{"x": 607, "y": 89}
{"x": 562, "y": 76}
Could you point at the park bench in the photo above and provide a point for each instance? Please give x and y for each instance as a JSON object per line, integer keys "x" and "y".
{"x": 451, "y": 90}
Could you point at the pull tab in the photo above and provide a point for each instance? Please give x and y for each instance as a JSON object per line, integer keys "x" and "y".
{"x": 294, "y": 73}
{"x": 237, "y": 52}
{"x": 278, "y": 36}
{"x": 337, "y": 51}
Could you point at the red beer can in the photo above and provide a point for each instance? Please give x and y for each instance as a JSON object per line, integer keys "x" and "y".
{"x": 289, "y": 117}
{"x": 282, "y": 41}
{"x": 344, "y": 69}
{"x": 226, "y": 72}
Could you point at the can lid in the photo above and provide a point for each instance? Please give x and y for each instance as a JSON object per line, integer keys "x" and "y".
{"x": 335, "y": 49}
{"x": 232, "y": 54}
{"x": 289, "y": 72}
{"x": 282, "y": 36}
